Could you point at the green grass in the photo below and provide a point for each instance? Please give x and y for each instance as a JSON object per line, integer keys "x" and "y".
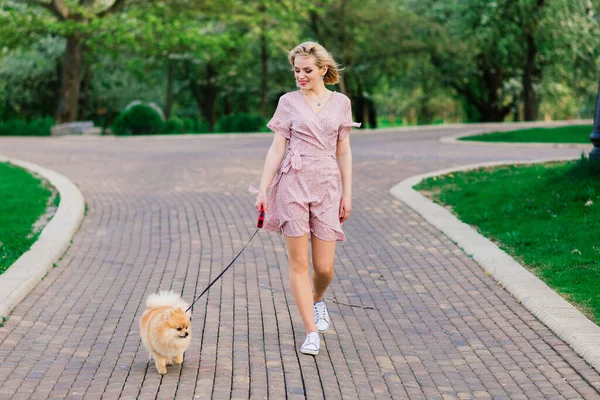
{"x": 384, "y": 122}
{"x": 546, "y": 216}
{"x": 564, "y": 134}
{"x": 24, "y": 200}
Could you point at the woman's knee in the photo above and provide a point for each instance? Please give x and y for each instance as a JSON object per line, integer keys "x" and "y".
{"x": 323, "y": 267}
{"x": 298, "y": 263}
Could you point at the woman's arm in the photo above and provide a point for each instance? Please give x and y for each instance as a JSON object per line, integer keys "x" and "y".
{"x": 272, "y": 162}
{"x": 344, "y": 160}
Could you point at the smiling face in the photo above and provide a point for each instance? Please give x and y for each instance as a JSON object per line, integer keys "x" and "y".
{"x": 308, "y": 75}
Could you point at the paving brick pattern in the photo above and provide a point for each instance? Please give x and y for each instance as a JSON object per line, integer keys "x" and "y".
{"x": 412, "y": 316}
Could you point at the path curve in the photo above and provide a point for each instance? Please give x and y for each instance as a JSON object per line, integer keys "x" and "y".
{"x": 412, "y": 315}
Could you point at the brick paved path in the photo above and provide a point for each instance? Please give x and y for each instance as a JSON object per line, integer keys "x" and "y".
{"x": 413, "y": 317}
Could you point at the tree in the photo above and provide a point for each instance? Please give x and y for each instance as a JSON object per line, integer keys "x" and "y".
{"x": 371, "y": 39}
{"x": 30, "y": 79}
{"x": 570, "y": 47}
{"x": 473, "y": 48}
{"x": 74, "y": 21}
{"x": 482, "y": 48}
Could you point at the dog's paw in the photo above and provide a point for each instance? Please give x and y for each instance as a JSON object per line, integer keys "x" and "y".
{"x": 178, "y": 359}
{"x": 161, "y": 370}
{"x": 169, "y": 362}
{"x": 161, "y": 365}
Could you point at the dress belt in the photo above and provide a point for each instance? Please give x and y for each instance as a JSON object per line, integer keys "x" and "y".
{"x": 293, "y": 159}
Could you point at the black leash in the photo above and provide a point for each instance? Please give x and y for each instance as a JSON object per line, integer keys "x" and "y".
{"x": 259, "y": 224}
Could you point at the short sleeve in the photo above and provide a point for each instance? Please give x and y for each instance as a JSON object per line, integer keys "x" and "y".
{"x": 346, "y": 125}
{"x": 281, "y": 122}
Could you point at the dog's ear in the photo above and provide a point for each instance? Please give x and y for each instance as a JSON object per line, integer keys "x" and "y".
{"x": 166, "y": 314}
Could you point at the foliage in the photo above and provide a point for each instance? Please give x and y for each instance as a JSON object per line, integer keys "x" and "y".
{"x": 24, "y": 200}
{"x": 374, "y": 41}
{"x": 174, "y": 125}
{"x": 564, "y": 134}
{"x": 19, "y": 127}
{"x": 479, "y": 48}
{"x": 137, "y": 120}
{"x": 29, "y": 80}
{"x": 585, "y": 168}
{"x": 544, "y": 215}
{"x": 116, "y": 82}
{"x": 418, "y": 61}
{"x": 241, "y": 123}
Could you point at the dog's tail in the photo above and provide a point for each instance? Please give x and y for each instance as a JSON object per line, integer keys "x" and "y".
{"x": 166, "y": 299}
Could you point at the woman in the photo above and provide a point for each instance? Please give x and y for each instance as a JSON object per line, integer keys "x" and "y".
{"x": 311, "y": 196}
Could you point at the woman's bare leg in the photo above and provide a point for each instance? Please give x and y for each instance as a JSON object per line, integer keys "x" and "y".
{"x": 297, "y": 249}
{"x": 323, "y": 255}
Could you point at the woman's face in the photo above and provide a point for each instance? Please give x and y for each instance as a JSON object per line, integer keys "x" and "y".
{"x": 308, "y": 76}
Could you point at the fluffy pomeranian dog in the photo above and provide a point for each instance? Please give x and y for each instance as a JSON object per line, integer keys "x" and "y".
{"x": 165, "y": 329}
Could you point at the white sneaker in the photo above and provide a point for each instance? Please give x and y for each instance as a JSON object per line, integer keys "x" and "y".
{"x": 311, "y": 344}
{"x": 321, "y": 316}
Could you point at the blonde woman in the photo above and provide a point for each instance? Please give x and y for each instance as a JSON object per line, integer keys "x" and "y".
{"x": 311, "y": 188}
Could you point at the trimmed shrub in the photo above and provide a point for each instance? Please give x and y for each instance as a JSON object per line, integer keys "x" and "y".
{"x": 202, "y": 126}
{"x": 174, "y": 125}
{"x": 195, "y": 125}
{"x": 189, "y": 124}
{"x": 19, "y": 127}
{"x": 138, "y": 120}
{"x": 241, "y": 123}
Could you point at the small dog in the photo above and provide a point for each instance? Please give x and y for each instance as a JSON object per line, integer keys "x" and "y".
{"x": 165, "y": 329}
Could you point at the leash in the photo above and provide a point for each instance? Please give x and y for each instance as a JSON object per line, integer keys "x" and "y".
{"x": 259, "y": 224}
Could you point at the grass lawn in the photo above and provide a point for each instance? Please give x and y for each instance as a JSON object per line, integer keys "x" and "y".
{"x": 546, "y": 216}
{"x": 563, "y": 134}
{"x": 24, "y": 200}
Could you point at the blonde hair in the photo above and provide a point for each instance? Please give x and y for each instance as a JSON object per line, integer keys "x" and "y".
{"x": 323, "y": 58}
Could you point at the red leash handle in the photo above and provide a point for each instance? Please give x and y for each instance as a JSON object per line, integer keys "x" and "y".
{"x": 261, "y": 217}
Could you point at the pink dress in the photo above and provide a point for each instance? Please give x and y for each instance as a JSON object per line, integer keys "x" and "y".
{"x": 306, "y": 192}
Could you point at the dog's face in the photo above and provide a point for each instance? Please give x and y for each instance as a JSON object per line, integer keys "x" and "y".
{"x": 177, "y": 324}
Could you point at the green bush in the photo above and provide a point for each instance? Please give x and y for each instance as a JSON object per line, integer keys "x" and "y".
{"x": 193, "y": 125}
{"x": 174, "y": 125}
{"x": 189, "y": 124}
{"x": 185, "y": 125}
{"x": 138, "y": 120}
{"x": 241, "y": 123}
{"x": 19, "y": 127}
{"x": 12, "y": 127}
{"x": 202, "y": 127}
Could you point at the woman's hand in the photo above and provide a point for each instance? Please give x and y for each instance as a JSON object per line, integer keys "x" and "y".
{"x": 345, "y": 208}
{"x": 261, "y": 200}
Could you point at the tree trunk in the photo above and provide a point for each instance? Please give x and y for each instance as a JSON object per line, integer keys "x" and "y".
{"x": 485, "y": 96}
{"x": 169, "y": 96}
{"x": 529, "y": 100}
{"x": 494, "y": 114}
{"x": 69, "y": 101}
{"x": 372, "y": 113}
{"x": 210, "y": 96}
{"x": 205, "y": 94}
{"x": 85, "y": 89}
{"x": 197, "y": 95}
{"x": 50, "y": 104}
